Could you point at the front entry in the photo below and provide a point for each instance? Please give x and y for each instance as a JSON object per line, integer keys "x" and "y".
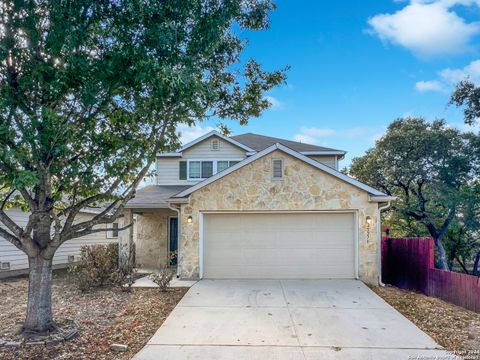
{"x": 173, "y": 240}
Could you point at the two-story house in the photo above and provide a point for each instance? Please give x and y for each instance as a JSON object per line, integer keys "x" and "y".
{"x": 253, "y": 206}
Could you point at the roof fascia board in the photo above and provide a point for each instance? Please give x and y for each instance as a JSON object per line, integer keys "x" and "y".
{"x": 323, "y": 152}
{"x": 170, "y": 154}
{"x": 384, "y": 198}
{"x": 146, "y": 206}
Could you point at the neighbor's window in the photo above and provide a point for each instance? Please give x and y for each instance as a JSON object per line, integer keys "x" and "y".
{"x": 113, "y": 232}
{"x": 277, "y": 169}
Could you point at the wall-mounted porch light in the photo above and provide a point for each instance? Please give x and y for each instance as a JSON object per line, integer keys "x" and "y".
{"x": 189, "y": 220}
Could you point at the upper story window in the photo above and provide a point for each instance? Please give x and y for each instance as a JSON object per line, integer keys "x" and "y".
{"x": 225, "y": 164}
{"x": 203, "y": 169}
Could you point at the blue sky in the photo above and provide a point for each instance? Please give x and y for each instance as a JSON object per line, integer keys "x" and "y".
{"x": 358, "y": 65}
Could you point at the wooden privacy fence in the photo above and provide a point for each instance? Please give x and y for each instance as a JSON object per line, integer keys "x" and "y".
{"x": 408, "y": 263}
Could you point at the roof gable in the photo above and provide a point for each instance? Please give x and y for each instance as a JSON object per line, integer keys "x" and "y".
{"x": 373, "y": 192}
{"x": 215, "y": 133}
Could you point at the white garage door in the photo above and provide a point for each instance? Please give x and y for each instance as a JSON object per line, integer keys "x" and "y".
{"x": 279, "y": 246}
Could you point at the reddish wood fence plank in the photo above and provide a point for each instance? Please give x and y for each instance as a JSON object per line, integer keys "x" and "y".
{"x": 408, "y": 263}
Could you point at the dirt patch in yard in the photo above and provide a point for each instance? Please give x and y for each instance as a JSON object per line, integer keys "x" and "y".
{"x": 451, "y": 326}
{"x": 106, "y": 316}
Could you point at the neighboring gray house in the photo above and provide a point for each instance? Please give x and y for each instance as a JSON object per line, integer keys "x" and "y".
{"x": 14, "y": 261}
{"x": 253, "y": 206}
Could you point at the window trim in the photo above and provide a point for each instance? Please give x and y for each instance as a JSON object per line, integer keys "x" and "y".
{"x": 282, "y": 168}
{"x": 214, "y": 170}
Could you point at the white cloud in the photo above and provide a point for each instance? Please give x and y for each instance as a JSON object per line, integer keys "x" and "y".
{"x": 274, "y": 102}
{"x": 305, "y": 139}
{"x": 471, "y": 71}
{"x": 427, "y": 28}
{"x": 317, "y": 132}
{"x": 188, "y": 133}
{"x": 312, "y": 135}
{"x": 450, "y": 77}
{"x": 433, "y": 85}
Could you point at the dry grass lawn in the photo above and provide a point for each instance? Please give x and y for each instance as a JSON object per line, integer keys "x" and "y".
{"x": 106, "y": 316}
{"x": 453, "y": 327}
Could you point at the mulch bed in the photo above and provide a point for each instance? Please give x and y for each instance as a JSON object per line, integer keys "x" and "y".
{"x": 451, "y": 326}
{"x": 106, "y": 316}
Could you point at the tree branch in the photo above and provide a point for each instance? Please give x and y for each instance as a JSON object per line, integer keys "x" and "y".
{"x": 10, "y": 224}
{"x": 12, "y": 239}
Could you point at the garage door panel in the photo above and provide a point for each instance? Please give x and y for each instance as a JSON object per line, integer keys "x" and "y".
{"x": 279, "y": 246}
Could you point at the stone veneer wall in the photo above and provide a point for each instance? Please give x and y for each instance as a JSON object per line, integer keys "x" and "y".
{"x": 303, "y": 188}
{"x": 151, "y": 238}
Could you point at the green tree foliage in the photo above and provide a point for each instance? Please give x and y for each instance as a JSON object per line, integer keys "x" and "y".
{"x": 431, "y": 169}
{"x": 90, "y": 91}
{"x": 466, "y": 94}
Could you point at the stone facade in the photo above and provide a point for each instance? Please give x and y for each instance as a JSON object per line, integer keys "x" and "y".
{"x": 303, "y": 187}
{"x": 151, "y": 238}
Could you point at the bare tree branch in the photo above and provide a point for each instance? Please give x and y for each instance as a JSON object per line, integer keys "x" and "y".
{"x": 10, "y": 224}
{"x": 12, "y": 239}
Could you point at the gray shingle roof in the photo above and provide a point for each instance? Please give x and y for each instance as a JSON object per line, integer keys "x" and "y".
{"x": 155, "y": 196}
{"x": 260, "y": 142}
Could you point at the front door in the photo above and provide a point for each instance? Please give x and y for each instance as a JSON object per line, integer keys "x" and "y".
{"x": 173, "y": 235}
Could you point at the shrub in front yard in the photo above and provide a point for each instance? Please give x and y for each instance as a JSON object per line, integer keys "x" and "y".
{"x": 97, "y": 266}
{"x": 162, "y": 278}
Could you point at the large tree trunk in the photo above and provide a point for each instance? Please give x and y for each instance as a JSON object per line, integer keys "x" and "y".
{"x": 39, "y": 308}
{"x": 475, "y": 264}
{"x": 442, "y": 256}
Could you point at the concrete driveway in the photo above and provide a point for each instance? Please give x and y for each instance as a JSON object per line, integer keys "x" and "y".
{"x": 288, "y": 319}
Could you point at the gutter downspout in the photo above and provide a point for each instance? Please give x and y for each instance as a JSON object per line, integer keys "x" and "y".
{"x": 379, "y": 230}
{"x": 177, "y": 210}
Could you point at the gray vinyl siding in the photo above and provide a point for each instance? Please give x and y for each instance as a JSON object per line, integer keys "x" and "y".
{"x": 168, "y": 168}
{"x": 326, "y": 160}
{"x": 19, "y": 261}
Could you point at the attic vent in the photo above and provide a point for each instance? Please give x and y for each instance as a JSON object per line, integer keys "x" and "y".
{"x": 215, "y": 145}
{"x": 5, "y": 266}
{"x": 277, "y": 169}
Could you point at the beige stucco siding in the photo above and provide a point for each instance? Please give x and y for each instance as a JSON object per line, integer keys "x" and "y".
{"x": 168, "y": 168}
{"x": 304, "y": 188}
{"x": 151, "y": 238}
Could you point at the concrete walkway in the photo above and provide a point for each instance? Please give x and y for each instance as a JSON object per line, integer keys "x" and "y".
{"x": 291, "y": 319}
